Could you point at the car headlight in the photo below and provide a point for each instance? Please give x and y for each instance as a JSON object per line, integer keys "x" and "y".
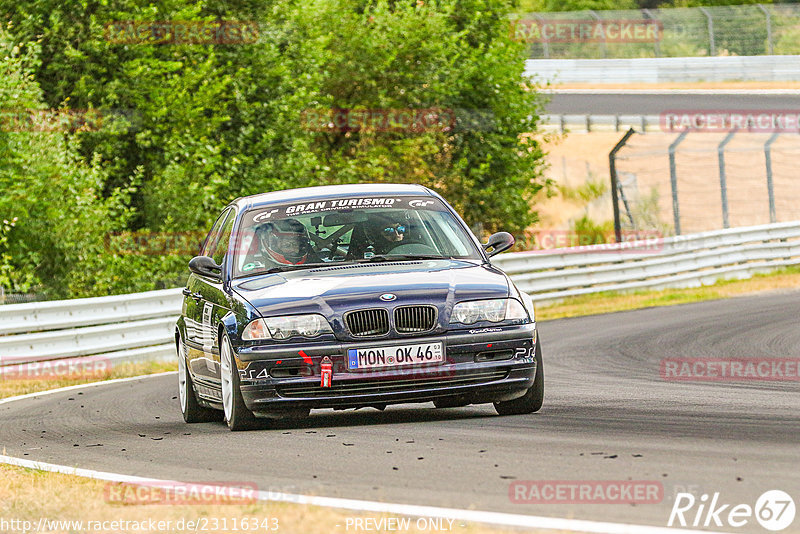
{"x": 311, "y": 325}
{"x": 494, "y": 311}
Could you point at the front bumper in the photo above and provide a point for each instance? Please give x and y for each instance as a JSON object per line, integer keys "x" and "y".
{"x": 481, "y": 365}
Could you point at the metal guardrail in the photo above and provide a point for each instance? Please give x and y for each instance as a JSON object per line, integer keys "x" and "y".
{"x": 62, "y": 314}
{"x": 673, "y": 262}
{"x": 601, "y": 123}
{"x": 121, "y": 328}
{"x": 665, "y": 123}
{"x": 666, "y": 69}
{"x": 140, "y": 326}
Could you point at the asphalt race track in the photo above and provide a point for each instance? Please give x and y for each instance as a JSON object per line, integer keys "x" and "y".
{"x": 608, "y": 415}
{"x": 654, "y": 103}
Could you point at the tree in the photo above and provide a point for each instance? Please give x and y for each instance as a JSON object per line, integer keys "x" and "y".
{"x": 456, "y": 58}
{"x": 205, "y": 123}
{"x": 53, "y": 220}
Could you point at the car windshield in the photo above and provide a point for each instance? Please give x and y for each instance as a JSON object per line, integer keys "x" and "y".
{"x": 349, "y": 230}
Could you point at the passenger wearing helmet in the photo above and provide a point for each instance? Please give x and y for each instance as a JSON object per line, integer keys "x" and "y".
{"x": 286, "y": 242}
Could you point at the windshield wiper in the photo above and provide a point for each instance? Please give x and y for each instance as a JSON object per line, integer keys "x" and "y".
{"x": 374, "y": 259}
{"x": 403, "y": 257}
{"x": 284, "y": 268}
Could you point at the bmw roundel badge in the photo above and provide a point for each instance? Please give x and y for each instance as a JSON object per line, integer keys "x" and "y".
{"x": 388, "y": 297}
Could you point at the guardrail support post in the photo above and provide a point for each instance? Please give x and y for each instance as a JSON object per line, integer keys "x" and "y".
{"x": 545, "y": 42}
{"x": 597, "y": 17}
{"x": 673, "y": 178}
{"x": 711, "y": 44}
{"x": 656, "y": 43}
{"x": 723, "y": 187}
{"x": 612, "y": 166}
{"x": 770, "y": 191}
{"x": 770, "y": 48}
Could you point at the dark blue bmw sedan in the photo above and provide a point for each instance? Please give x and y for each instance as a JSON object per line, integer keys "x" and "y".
{"x": 351, "y": 296}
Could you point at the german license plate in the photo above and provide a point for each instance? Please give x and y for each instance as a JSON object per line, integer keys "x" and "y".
{"x": 394, "y": 356}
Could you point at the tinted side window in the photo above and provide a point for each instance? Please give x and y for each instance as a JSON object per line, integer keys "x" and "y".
{"x": 221, "y": 248}
{"x": 213, "y": 236}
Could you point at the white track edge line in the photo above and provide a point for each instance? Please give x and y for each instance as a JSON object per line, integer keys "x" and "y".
{"x": 79, "y": 386}
{"x": 478, "y": 516}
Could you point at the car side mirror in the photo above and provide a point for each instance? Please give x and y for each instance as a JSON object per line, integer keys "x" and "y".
{"x": 205, "y": 266}
{"x": 498, "y": 243}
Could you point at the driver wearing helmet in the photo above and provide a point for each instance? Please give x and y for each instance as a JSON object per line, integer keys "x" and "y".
{"x": 287, "y": 242}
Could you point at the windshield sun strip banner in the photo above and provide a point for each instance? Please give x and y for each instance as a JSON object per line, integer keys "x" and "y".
{"x": 280, "y": 211}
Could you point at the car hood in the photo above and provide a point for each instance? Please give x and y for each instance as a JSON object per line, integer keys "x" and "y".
{"x": 332, "y": 291}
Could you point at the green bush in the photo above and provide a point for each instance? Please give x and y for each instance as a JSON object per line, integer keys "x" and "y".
{"x": 590, "y": 232}
{"x": 210, "y": 122}
{"x": 55, "y": 220}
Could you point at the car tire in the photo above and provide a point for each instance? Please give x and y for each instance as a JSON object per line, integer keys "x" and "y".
{"x": 192, "y": 411}
{"x": 236, "y": 413}
{"x": 532, "y": 400}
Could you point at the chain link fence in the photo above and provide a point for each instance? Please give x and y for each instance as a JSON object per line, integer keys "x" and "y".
{"x": 747, "y": 30}
{"x": 691, "y": 182}
{"x": 19, "y": 298}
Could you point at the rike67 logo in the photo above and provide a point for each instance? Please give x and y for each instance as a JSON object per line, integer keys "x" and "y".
{"x": 774, "y": 510}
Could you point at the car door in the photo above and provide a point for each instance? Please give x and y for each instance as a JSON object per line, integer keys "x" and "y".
{"x": 215, "y": 301}
{"x": 199, "y": 337}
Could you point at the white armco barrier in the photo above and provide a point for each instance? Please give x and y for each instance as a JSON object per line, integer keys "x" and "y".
{"x": 141, "y": 326}
{"x": 121, "y": 328}
{"x": 666, "y": 69}
{"x": 681, "y": 261}
{"x": 566, "y": 122}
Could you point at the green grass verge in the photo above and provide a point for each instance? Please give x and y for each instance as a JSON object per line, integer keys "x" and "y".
{"x": 16, "y": 386}
{"x": 612, "y": 301}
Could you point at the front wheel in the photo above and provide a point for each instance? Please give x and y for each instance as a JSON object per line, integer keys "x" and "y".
{"x": 532, "y": 400}
{"x": 237, "y": 415}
